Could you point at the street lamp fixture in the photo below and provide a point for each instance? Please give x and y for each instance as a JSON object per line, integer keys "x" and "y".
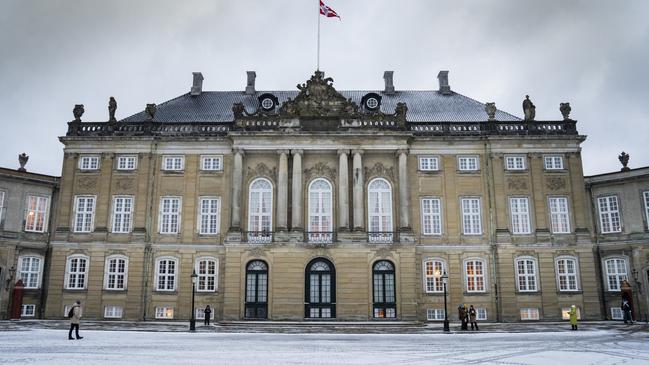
{"x": 437, "y": 274}
{"x": 192, "y": 321}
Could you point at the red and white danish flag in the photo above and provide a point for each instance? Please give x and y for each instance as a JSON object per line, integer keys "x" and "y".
{"x": 327, "y": 11}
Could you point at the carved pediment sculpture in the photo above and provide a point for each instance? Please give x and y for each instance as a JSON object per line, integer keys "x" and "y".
{"x": 87, "y": 182}
{"x": 125, "y": 184}
{"x": 555, "y": 183}
{"x": 379, "y": 170}
{"x": 517, "y": 183}
{"x": 321, "y": 169}
{"x": 261, "y": 170}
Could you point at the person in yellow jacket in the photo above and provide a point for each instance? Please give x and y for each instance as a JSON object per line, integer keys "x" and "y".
{"x": 573, "y": 317}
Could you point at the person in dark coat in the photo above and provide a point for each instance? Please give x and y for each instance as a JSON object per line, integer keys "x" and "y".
{"x": 626, "y": 309}
{"x": 463, "y": 316}
{"x": 473, "y": 316}
{"x": 75, "y": 319}
{"x": 208, "y": 314}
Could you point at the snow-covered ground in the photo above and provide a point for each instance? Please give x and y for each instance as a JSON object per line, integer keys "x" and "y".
{"x": 47, "y": 346}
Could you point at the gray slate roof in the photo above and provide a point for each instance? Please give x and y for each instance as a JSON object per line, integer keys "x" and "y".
{"x": 423, "y": 106}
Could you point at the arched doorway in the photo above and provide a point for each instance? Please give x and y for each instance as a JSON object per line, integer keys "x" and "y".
{"x": 385, "y": 304}
{"x": 256, "y": 301}
{"x": 320, "y": 289}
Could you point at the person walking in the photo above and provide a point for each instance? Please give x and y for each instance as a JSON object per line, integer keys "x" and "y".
{"x": 473, "y": 316}
{"x": 573, "y": 317}
{"x": 75, "y": 318}
{"x": 626, "y": 309}
{"x": 208, "y": 313}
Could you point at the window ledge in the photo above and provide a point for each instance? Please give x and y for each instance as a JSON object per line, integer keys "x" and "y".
{"x": 204, "y": 293}
{"x": 475, "y": 293}
{"x": 173, "y": 172}
{"x": 163, "y": 292}
{"x": 528, "y": 292}
{"x": 572, "y": 292}
{"x": 71, "y": 290}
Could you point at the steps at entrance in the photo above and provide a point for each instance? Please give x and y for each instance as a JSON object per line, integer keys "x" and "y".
{"x": 320, "y": 327}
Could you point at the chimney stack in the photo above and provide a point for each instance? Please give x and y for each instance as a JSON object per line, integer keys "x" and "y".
{"x": 250, "y": 86}
{"x": 197, "y": 85}
{"x": 444, "y": 87}
{"x": 389, "y": 82}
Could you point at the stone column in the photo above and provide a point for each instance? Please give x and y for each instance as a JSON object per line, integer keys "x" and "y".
{"x": 296, "y": 204}
{"x": 359, "y": 207}
{"x": 282, "y": 191}
{"x": 404, "y": 203}
{"x": 237, "y": 183}
{"x": 343, "y": 190}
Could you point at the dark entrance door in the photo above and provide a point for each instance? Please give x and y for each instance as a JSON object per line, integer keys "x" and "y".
{"x": 385, "y": 305}
{"x": 320, "y": 289}
{"x": 256, "y": 290}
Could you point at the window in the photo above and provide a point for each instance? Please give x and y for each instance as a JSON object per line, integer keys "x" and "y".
{"x": 481, "y": 314}
{"x": 116, "y": 271}
{"x": 320, "y": 211}
{"x": 173, "y": 163}
{"x": 209, "y": 215}
{"x": 431, "y": 268}
{"x": 567, "y": 274}
{"x": 126, "y": 162}
{"x": 206, "y": 269}
{"x": 644, "y": 194}
{"x": 565, "y": 313}
{"x": 428, "y": 163}
{"x": 2, "y": 201}
{"x": 519, "y": 209}
{"x": 211, "y": 163}
{"x": 256, "y": 305}
{"x": 30, "y": 271}
{"x": 526, "y": 274}
{"x": 113, "y": 311}
{"x": 609, "y": 214}
{"x": 379, "y": 203}
{"x": 553, "y": 162}
{"x": 89, "y": 163}
{"x": 320, "y": 289}
{"x": 474, "y": 275}
{"x": 434, "y": 314}
{"x": 616, "y": 313}
{"x": 471, "y": 224}
{"x": 559, "y": 215}
{"x": 260, "y": 211}
{"x": 515, "y": 162}
{"x": 165, "y": 275}
{"x": 84, "y": 214}
{"x": 200, "y": 313}
{"x": 164, "y": 313}
{"x": 36, "y": 217}
{"x": 467, "y": 163}
{"x": 169, "y": 215}
{"x": 529, "y": 314}
{"x": 28, "y": 310}
{"x": 122, "y": 214}
{"x": 385, "y": 305}
{"x": 615, "y": 273}
{"x": 76, "y": 272}
{"x": 431, "y": 216}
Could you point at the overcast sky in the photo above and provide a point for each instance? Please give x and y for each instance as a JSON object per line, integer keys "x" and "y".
{"x": 593, "y": 54}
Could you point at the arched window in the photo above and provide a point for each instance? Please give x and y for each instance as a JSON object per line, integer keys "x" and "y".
{"x": 320, "y": 212}
{"x": 320, "y": 289}
{"x": 385, "y": 303}
{"x": 260, "y": 211}
{"x": 165, "y": 274}
{"x": 474, "y": 274}
{"x": 30, "y": 270}
{"x": 207, "y": 270}
{"x": 76, "y": 272}
{"x": 434, "y": 283}
{"x": 116, "y": 272}
{"x": 567, "y": 279}
{"x": 379, "y": 203}
{"x": 616, "y": 272}
{"x": 526, "y": 280}
{"x": 256, "y": 305}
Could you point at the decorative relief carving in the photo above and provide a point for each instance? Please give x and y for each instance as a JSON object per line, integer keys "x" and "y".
{"x": 378, "y": 170}
{"x": 87, "y": 182}
{"x": 125, "y": 184}
{"x": 383, "y": 252}
{"x": 262, "y": 170}
{"x": 321, "y": 169}
{"x": 256, "y": 252}
{"x": 517, "y": 183}
{"x": 555, "y": 183}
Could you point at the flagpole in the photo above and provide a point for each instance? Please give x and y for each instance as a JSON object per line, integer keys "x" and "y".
{"x": 318, "y": 61}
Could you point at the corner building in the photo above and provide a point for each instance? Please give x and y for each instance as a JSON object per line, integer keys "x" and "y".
{"x": 323, "y": 204}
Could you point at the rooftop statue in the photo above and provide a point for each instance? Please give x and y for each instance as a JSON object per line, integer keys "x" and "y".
{"x": 624, "y": 160}
{"x": 22, "y": 160}
{"x": 565, "y": 109}
{"x": 112, "y": 107}
{"x": 78, "y": 112}
{"x": 490, "y": 108}
{"x": 150, "y": 111}
{"x": 529, "y": 110}
{"x": 318, "y": 98}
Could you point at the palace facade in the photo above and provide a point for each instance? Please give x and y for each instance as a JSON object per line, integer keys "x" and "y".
{"x": 324, "y": 204}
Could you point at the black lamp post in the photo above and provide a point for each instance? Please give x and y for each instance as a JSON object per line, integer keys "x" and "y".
{"x": 192, "y": 321}
{"x": 444, "y": 278}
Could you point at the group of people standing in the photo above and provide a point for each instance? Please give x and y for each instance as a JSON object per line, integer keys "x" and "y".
{"x": 467, "y": 316}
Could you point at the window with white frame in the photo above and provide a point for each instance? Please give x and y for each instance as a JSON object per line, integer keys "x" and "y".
{"x": 471, "y": 222}
{"x": 209, "y": 215}
{"x": 567, "y": 274}
{"x": 165, "y": 274}
{"x": 29, "y": 270}
{"x": 28, "y": 310}
{"x": 126, "y": 163}
{"x": 616, "y": 272}
{"x": 645, "y": 195}
{"x": 173, "y": 163}
{"x": 529, "y": 314}
{"x": 84, "y": 213}
{"x": 559, "y": 214}
{"x": 170, "y": 214}
{"x": 435, "y": 314}
{"x": 116, "y": 272}
{"x": 515, "y": 162}
{"x": 526, "y": 274}
{"x": 260, "y": 211}
{"x": 609, "y": 214}
{"x": 428, "y": 163}
{"x": 379, "y": 205}
{"x": 553, "y": 162}
{"x": 320, "y": 211}
{"x": 200, "y": 313}
{"x": 616, "y": 313}
{"x": 76, "y": 272}
{"x": 565, "y": 313}
{"x": 164, "y": 313}
{"x": 206, "y": 269}
{"x": 433, "y": 271}
{"x": 431, "y": 216}
{"x": 122, "y": 214}
{"x": 481, "y": 314}
{"x": 211, "y": 163}
{"x": 467, "y": 163}
{"x": 89, "y": 163}
{"x": 519, "y": 208}
{"x": 474, "y": 274}
{"x": 36, "y": 214}
{"x": 2, "y": 202}
{"x": 113, "y": 311}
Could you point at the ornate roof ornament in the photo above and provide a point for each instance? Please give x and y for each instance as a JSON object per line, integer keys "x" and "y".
{"x": 150, "y": 111}
{"x": 624, "y": 160}
{"x": 112, "y": 108}
{"x": 529, "y": 109}
{"x": 317, "y": 99}
{"x": 490, "y": 108}
{"x": 22, "y": 160}
{"x": 565, "y": 109}
{"x": 78, "y": 112}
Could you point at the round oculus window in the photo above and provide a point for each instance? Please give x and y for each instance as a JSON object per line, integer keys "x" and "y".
{"x": 267, "y": 103}
{"x": 372, "y": 103}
